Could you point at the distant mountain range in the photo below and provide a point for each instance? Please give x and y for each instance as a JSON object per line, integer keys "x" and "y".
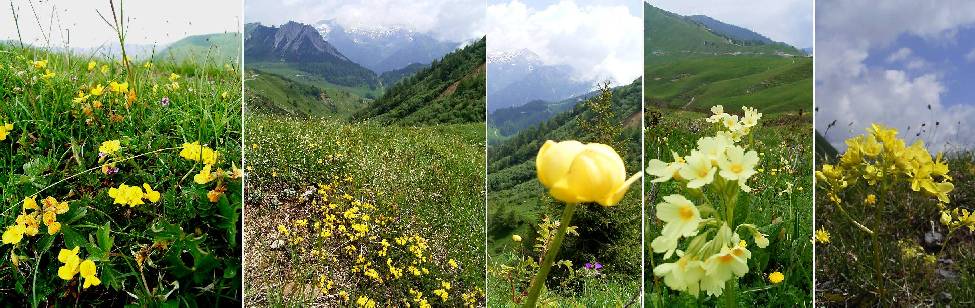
{"x": 383, "y": 49}
{"x": 218, "y": 47}
{"x": 519, "y": 77}
{"x": 302, "y": 47}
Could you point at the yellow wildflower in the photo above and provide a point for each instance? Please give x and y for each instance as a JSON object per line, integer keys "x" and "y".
{"x": 576, "y": 173}
{"x": 776, "y": 277}
{"x": 127, "y": 195}
{"x": 40, "y": 64}
{"x": 151, "y": 195}
{"x": 110, "y": 147}
{"x": 91, "y": 65}
{"x": 822, "y": 236}
{"x": 119, "y": 87}
{"x": 5, "y": 130}
{"x": 97, "y": 90}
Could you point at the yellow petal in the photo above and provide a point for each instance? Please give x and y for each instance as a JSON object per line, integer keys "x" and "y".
{"x": 554, "y": 159}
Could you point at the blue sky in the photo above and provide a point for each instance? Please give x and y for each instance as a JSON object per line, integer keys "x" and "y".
{"x": 953, "y": 59}
{"x": 900, "y": 63}
{"x": 635, "y": 7}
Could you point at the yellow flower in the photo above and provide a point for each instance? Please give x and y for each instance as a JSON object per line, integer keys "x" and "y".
{"x": 91, "y": 65}
{"x": 110, "y": 147}
{"x": 698, "y": 171}
{"x": 205, "y": 176}
{"x": 30, "y": 203}
{"x": 682, "y": 219}
{"x": 119, "y": 87}
{"x": 738, "y": 166}
{"x": 173, "y": 77}
{"x": 870, "y": 200}
{"x": 577, "y": 173}
{"x": 5, "y": 130}
{"x": 48, "y": 74}
{"x": 71, "y": 262}
{"x": 683, "y": 275}
{"x": 104, "y": 69}
{"x": 225, "y": 95}
{"x": 776, "y": 277}
{"x": 720, "y": 267}
{"x": 53, "y": 228}
{"x": 127, "y": 195}
{"x": 88, "y": 272}
{"x": 14, "y": 234}
{"x": 147, "y": 65}
{"x": 40, "y": 64}
{"x": 822, "y": 236}
{"x": 945, "y": 218}
{"x": 516, "y": 238}
{"x": 452, "y": 263}
{"x": 97, "y": 90}
{"x": 200, "y": 153}
{"x": 151, "y": 195}
{"x": 665, "y": 171}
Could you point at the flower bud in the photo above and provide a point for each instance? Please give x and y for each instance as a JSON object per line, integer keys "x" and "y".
{"x": 576, "y": 173}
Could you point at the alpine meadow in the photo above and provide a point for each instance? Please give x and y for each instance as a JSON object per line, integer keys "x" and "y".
{"x": 728, "y": 148}
{"x": 365, "y": 174}
{"x": 119, "y": 168}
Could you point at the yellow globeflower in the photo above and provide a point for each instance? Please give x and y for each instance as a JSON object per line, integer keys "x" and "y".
{"x": 776, "y": 277}
{"x": 577, "y": 173}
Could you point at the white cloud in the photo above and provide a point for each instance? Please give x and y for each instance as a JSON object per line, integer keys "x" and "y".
{"x": 598, "y": 42}
{"x": 453, "y": 20}
{"x": 788, "y": 21}
{"x": 970, "y": 56}
{"x": 77, "y": 24}
{"x": 854, "y": 94}
{"x": 899, "y": 55}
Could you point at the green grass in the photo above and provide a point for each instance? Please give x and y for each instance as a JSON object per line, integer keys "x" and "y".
{"x": 785, "y": 144}
{"x": 287, "y": 70}
{"x": 272, "y": 93}
{"x": 672, "y": 34}
{"x": 191, "y": 245}
{"x": 427, "y": 180}
{"x": 772, "y": 84}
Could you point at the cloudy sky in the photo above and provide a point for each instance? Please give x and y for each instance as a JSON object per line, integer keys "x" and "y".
{"x": 150, "y": 22}
{"x": 904, "y": 63}
{"x": 599, "y": 40}
{"x": 452, "y": 20}
{"x": 789, "y": 21}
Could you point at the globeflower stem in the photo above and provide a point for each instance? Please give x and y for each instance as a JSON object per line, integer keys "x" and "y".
{"x": 553, "y": 250}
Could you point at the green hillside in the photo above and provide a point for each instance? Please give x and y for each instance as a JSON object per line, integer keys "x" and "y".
{"x": 675, "y": 35}
{"x": 218, "y": 47}
{"x": 275, "y": 94}
{"x": 449, "y": 91}
{"x": 770, "y": 83}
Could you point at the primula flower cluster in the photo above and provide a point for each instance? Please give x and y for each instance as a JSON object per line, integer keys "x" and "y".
{"x": 721, "y": 168}
{"x": 73, "y": 265}
{"x": 32, "y": 215}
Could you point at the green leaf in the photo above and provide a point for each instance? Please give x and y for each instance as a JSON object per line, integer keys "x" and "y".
{"x": 104, "y": 237}
{"x": 72, "y": 239}
{"x": 231, "y": 215}
{"x": 44, "y": 244}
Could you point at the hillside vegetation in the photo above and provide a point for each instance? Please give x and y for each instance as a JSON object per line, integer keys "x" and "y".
{"x": 217, "y": 48}
{"x": 449, "y": 91}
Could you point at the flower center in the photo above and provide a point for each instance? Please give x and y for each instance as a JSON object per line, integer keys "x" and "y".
{"x": 686, "y": 213}
{"x": 703, "y": 172}
{"x": 736, "y": 168}
{"x": 725, "y": 258}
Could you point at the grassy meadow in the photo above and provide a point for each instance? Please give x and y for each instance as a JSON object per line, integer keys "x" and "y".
{"x": 355, "y": 201}
{"x": 120, "y": 180}
{"x": 780, "y": 204}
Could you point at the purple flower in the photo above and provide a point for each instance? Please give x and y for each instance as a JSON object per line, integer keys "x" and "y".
{"x": 164, "y": 102}
{"x": 589, "y": 265}
{"x": 598, "y": 265}
{"x": 112, "y": 170}
{"x": 102, "y": 154}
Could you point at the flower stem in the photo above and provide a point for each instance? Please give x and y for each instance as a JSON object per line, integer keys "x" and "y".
{"x": 539, "y": 281}
{"x": 729, "y": 298}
